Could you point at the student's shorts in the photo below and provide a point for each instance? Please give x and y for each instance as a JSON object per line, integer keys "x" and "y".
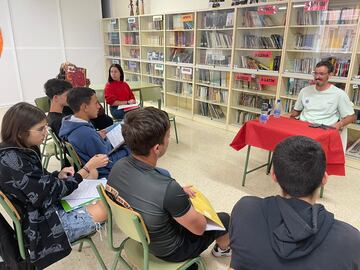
{"x": 76, "y": 223}
{"x": 194, "y": 245}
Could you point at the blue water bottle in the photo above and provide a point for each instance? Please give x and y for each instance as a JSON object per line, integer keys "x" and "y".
{"x": 264, "y": 113}
{"x": 277, "y": 109}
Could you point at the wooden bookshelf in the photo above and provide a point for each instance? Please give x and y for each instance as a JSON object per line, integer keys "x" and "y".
{"x": 263, "y": 50}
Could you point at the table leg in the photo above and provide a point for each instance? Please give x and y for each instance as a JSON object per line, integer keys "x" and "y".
{"x": 246, "y": 165}
{"x": 269, "y": 163}
{"x": 321, "y": 192}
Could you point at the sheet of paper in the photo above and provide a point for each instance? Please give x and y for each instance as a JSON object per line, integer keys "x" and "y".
{"x": 85, "y": 193}
{"x": 115, "y": 136}
{"x": 125, "y": 106}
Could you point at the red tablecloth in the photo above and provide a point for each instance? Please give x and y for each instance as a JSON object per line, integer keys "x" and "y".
{"x": 267, "y": 136}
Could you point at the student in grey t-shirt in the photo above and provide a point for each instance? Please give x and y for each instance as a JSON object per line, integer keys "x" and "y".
{"x": 177, "y": 231}
{"x": 324, "y": 103}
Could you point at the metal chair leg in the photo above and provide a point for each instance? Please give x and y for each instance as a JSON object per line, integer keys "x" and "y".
{"x": 246, "y": 165}
{"x": 176, "y": 135}
{"x": 321, "y": 192}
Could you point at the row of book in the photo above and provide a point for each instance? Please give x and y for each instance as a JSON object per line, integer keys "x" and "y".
{"x": 218, "y": 19}
{"x": 155, "y": 55}
{"x": 155, "y": 25}
{"x": 212, "y": 94}
{"x": 182, "y": 88}
{"x": 330, "y": 39}
{"x": 329, "y": 17}
{"x": 241, "y": 117}
{"x": 273, "y": 41}
{"x": 180, "y": 55}
{"x": 113, "y": 38}
{"x": 215, "y": 57}
{"x": 295, "y": 85}
{"x": 181, "y": 21}
{"x": 113, "y": 25}
{"x": 132, "y": 25}
{"x": 252, "y": 18}
{"x": 214, "y": 78}
{"x": 211, "y": 110}
{"x": 253, "y": 84}
{"x": 253, "y": 101}
{"x": 131, "y": 38}
{"x": 252, "y": 63}
{"x": 154, "y": 69}
{"x": 288, "y": 105}
{"x": 356, "y": 95}
{"x": 113, "y": 51}
{"x": 134, "y": 53}
{"x": 155, "y": 40}
{"x": 215, "y": 40}
{"x": 132, "y": 66}
{"x": 307, "y": 65}
{"x": 183, "y": 73}
{"x": 184, "y": 39}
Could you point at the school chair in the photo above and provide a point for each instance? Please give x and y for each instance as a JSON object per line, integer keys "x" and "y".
{"x": 136, "y": 245}
{"x": 154, "y": 94}
{"x": 74, "y": 158}
{"x": 15, "y": 217}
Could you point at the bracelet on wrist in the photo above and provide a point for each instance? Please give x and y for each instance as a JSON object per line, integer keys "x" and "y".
{"x": 86, "y": 169}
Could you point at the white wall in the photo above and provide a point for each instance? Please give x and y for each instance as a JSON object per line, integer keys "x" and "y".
{"x": 121, "y": 7}
{"x": 39, "y": 35}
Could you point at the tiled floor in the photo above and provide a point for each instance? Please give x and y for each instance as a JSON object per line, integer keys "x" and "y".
{"x": 203, "y": 158}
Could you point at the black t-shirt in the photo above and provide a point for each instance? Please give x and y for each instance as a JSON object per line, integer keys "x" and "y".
{"x": 156, "y": 197}
{"x": 54, "y": 121}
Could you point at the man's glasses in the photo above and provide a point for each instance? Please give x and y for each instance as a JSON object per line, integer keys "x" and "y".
{"x": 41, "y": 129}
{"x": 320, "y": 74}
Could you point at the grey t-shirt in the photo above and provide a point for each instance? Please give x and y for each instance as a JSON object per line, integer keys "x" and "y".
{"x": 156, "y": 197}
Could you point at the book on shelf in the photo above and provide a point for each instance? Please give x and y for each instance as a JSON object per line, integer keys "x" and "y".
{"x": 182, "y": 21}
{"x": 289, "y": 105}
{"x": 155, "y": 55}
{"x": 274, "y": 41}
{"x": 307, "y": 65}
{"x": 215, "y": 40}
{"x": 218, "y": 19}
{"x": 211, "y": 110}
{"x": 215, "y": 57}
{"x": 181, "y": 39}
{"x": 131, "y": 38}
{"x": 113, "y": 25}
{"x": 214, "y": 77}
{"x": 329, "y": 17}
{"x": 157, "y": 23}
{"x": 132, "y": 66}
{"x": 354, "y": 150}
{"x": 242, "y": 116}
{"x": 295, "y": 85}
{"x": 113, "y": 50}
{"x": 113, "y": 38}
{"x": 132, "y": 24}
{"x": 212, "y": 94}
{"x": 253, "y": 100}
{"x": 355, "y": 95}
{"x": 252, "y": 63}
{"x": 134, "y": 53}
{"x": 181, "y": 55}
{"x": 154, "y": 69}
{"x": 183, "y": 88}
{"x": 183, "y": 73}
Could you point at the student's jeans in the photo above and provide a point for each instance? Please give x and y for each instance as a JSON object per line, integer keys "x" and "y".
{"x": 117, "y": 113}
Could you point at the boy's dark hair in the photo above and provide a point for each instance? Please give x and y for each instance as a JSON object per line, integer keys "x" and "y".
{"x": 17, "y": 122}
{"x": 143, "y": 128}
{"x": 299, "y": 165}
{"x": 78, "y": 96}
{"x": 120, "y": 70}
{"x": 325, "y": 63}
{"x": 54, "y": 87}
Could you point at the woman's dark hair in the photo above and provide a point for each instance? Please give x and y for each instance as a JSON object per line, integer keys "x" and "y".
{"x": 17, "y": 122}
{"x": 120, "y": 70}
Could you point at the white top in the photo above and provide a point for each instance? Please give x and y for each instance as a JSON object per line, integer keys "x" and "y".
{"x": 323, "y": 107}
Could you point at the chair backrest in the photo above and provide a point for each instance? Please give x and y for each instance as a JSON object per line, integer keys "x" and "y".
{"x": 59, "y": 146}
{"x": 128, "y": 221}
{"x": 15, "y": 217}
{"x": 151, "y": 94}
{"x": 100, "y": 95}
{"x": 43, "y": 103}
{"x": 74, "y": 156}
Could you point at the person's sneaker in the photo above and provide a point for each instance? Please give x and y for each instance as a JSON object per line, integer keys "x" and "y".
{"x": 218, "y": 252}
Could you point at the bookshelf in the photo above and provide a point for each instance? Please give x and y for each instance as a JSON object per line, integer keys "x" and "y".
{"x": 218, "y": 65}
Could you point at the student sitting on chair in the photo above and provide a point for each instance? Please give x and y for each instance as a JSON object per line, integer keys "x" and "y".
{"x": 177, "y": 232}
{"x": 102, "y": 121}
{"x": 36, "y": 193}
{"x": 118, "y": 92}
{"x": 292, "y": 231}
{"x": 79, "y": 131}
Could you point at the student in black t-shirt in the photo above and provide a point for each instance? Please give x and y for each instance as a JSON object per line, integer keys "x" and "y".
{"x": 176, "y": 230}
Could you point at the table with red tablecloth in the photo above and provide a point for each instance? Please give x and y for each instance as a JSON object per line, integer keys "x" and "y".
{"x": 267, "y": 135}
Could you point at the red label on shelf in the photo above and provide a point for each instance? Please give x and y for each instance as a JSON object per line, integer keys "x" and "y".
{"x": 267, "y": 10}
{"x": 316, "y": 5}
{"x": 267, "y": 80}
{"x": 263, "y": 54}
{"x": 242, "y": 77}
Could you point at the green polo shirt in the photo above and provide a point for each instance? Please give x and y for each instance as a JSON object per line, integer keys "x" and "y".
{"x": 323, "y": 107}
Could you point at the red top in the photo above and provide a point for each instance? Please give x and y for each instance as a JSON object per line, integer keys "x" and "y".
{"x": 117, "y": 90}
{"x": 267, "y": 136}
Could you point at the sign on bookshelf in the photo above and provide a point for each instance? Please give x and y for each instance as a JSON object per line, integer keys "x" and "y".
{"x": 263, "y": 54}
{"x": 186, "y": 70}
{"x": 267, "y": 10}
{"x": 316, "y": 5}
{"x": 131, "y": 20}
{"x": 267, "y": 80}
{"x": 157, "y": 18}
{"x": 243, "y": 77}
{"x": 159, "y": 67}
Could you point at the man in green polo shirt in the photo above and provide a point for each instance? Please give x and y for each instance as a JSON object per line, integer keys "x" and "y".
{"x": 324, "y": 103}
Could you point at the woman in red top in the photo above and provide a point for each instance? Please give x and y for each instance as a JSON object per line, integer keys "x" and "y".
{"x": 117, "y": 92}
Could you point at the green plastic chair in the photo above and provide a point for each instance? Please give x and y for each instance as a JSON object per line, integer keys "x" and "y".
{"x": 58, "y": 148}
{"x": 154, "y": 94}
{"x": 15, "y": 217}
{"x": 136, "y": 245}
{"x": 101, "y": 98}
{"x": 43, "y": 103}
{"x": 74, "y": 158}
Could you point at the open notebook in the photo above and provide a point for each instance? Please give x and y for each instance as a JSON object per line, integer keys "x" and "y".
{"x": 115, "y": 137}
{"x": 85, "y": 194}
